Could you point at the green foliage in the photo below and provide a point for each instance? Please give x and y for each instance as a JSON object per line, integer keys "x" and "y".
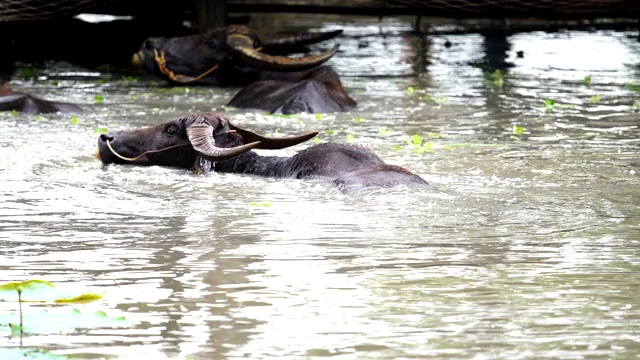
{"x": 75, "y": 120}
{"x": 359, "y": 120}
{"x": 383, "y": 130}
{"x": 39, "y": 118}
{"x": 549, "y": 105}
{"x": 350, "y": 138}
{"x": 517, "y": 130}
{"x": 99, "y": 99}
{"x": 28, "y": 73}
{"x": 495, "y": 78}
{"x": 595, "y": 99}
{"x": 261, "y": 204}
{"x": 100, "y": 130}
{"x": 14, "y": 113}
{"x": 411, "y": 90}
{"x": 319, "y": 116}
{"x": 129, "y": 79}
{"x": 41, "y": 291}
{"x": 633, "y": 87}
{"x": 587, "y": 80}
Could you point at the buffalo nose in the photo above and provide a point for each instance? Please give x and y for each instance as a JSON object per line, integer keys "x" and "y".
{"x": 106, "y": 137}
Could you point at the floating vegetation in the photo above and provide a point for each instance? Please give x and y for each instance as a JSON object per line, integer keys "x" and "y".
{"x": 549, "y": 105}
{"x": 633, "y": 87}
{"x": 350, "y": 138}
{"x": 43, "y": 291}
{"x": 517, "y": 130}
{"x": 440, "y": 100}
{"x": 75, "y": 120}
{"x": 100, "y": 130}
{"x": 587, "y": 81}
{"x": 129, "y": 80}
{"x": 319, "y": 116}
{"x": 261, "y": 204}
{"x": 595, "y": 99}
{"x": 383, "y": 130}
{"x": 495, "y": 78}
{"x": 98, "y": 99}
{"x": 359, "y": 119}
{"x": 418, "y": 145}
{"x": 28, "y": 72}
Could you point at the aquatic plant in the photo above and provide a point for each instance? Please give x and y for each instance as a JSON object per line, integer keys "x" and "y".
{"x": 99, "y": 99}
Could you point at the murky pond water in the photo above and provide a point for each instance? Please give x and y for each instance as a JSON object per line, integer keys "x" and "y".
{"x": 527, "y": 244}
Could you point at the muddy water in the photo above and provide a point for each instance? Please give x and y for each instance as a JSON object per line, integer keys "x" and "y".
{"x": 525, "y": 246}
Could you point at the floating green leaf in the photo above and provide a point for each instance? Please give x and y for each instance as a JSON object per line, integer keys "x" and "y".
{"x": 518, "y": 130}
{"x": 416, "y": 139}
{"x": 99, "y": 99}
{"x": 319, "y": 116}
{"x": 261, "y": 204}
{"x": 587, "y": 80}
{"x": 41, "y": 290}
{"x": 56, "y": 321}
{"x": 595, "y": 98}
{"x": 633, "y": 87}
{"x": 28, "y": 73}
{"x": 410, "y": 90}
{"x": 383, "y": 130}
{"x": 100, "y": 130}
{"x": 75, "y": 120}
{"x": 359, "y": 119}
{"x": 350, "y": 138}
{"x": 14, "y": 113}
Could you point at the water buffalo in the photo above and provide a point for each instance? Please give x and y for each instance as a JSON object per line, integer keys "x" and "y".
{"x": 205, "y": 142}
{"x": 235, "y": 56}
{"x": 15, "y": 101}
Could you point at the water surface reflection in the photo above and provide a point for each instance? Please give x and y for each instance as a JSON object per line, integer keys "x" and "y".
{"x": 525, "y": 246}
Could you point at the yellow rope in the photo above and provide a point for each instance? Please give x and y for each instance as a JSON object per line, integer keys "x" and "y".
{"x": 158, "y": 56}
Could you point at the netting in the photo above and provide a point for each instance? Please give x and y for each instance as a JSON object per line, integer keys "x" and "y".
{"x": 545, "y": 8}
{"x": 21, "y": 10}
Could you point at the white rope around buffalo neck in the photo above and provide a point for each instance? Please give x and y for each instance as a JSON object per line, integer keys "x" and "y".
{"x": 141, "y": 155}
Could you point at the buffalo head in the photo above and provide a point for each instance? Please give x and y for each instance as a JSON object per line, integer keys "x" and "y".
{"x": 229, "y": 56}
{"x": 192, "y": 142}
{"x": 235, "y": 56}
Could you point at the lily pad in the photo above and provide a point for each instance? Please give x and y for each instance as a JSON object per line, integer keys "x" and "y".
{"x": 29, "y": 354}
{"x": 58, "y": 321}
{"x": 42, "y": 291}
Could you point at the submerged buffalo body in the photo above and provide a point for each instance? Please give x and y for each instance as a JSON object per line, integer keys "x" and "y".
{"x": 235, "y": 56}
{"x": 206, "y": 142}
{"x": 15, "y": 101}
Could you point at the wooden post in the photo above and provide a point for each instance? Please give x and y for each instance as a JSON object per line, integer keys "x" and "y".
{"x": 210, "y": 14}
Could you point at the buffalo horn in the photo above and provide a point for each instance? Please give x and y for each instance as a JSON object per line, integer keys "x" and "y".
{"x": 301, "y": 39}
{"x": 241, "y": 46}
{"x": 272, "y": 143}
{"x": 201, "y": 138}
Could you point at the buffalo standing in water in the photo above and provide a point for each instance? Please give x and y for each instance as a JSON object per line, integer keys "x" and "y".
{"x": 235, "y": 56}
{"x": 205, "y": 142}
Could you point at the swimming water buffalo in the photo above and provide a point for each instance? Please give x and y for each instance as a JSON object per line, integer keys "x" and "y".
{"x": 16, "y": 101}
{"x": 235, "y": 56}
{"x": 205, "y": 142}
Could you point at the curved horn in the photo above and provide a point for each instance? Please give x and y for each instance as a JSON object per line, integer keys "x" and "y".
{"x": 272, "y": 143}
{"x": 201, "y": 138}
{"x": 301, "y": 39}
{"x": 241, "y": 46}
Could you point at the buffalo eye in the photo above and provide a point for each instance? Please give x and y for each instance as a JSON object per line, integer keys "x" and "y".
{"x": 171, "y": 130}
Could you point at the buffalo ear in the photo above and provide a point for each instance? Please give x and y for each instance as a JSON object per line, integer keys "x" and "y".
{"x": 272, "y": 143}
